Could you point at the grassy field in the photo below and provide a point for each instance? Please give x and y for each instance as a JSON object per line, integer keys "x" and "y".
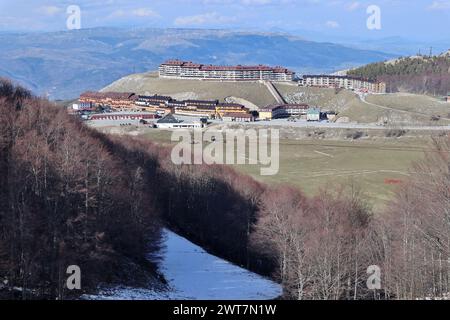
{"x": 149, "y": 83}
{"x": 413, "y": 103}
{"x": 327, "y": 98}
{"x": 376, "y": 164}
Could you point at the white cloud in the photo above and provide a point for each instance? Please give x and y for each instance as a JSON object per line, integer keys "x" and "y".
{"x": 252, "y": 2}
{"x": 201, "y": 19}
{"x": 353, "y": 6}
{"x": 440, "y": 5}
{"x": 256, "y": 2}
{"x": 144, "y": 12}
{"x": 140, "y": 12}
{"x": 49, "y": 10}
{"x": 332, "y": 24}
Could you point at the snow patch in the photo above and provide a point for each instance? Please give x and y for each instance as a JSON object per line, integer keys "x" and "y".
{"x": 194, "y": 274}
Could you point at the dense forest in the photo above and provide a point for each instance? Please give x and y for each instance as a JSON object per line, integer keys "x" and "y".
{"x": 70, "y": 195}
{"x": 422, "y": 74}
{"x": 66, "y": 199}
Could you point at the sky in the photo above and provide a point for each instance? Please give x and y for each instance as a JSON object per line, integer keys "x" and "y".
{"x": 412, "y": 19}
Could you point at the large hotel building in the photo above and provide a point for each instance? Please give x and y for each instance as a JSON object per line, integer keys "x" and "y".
{"x": 345, "y": 82}
{"x": 188, "y": 70}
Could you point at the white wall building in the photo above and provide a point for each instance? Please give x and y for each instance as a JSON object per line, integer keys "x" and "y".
{"x": 343, "y": 82}
{"x": 188, "y": 70}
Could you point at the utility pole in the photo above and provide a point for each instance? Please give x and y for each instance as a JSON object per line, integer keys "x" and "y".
{"x": 431, "y": 52}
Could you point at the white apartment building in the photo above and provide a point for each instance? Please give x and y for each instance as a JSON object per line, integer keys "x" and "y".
{"x": 344, "y": 82}
{"x": 188, "y": 70}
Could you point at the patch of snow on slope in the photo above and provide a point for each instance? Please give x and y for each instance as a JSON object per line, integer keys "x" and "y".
{"x": 194, "y": 274}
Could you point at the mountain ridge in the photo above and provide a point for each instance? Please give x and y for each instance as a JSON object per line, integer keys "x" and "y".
{"x": 63, "y": 64}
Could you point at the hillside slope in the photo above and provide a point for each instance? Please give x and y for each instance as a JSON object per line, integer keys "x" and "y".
{"x": 57, "y": 207}
{"x": 251, "y": 94}
{"x": 396, "y": 109}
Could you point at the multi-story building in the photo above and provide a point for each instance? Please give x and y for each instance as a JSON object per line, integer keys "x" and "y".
{"x": 201, "y": 103}
{"x": 279, "y": 111}
{"x": 223, "y": 108}
{"x": 158, "y": 104}
{"x": 115, "y": 100}
{"x": 199, "y": 111}
{"x": 153, "y": 101}
{"x": 344, "y": 82}
{"x": 189, "y": 70}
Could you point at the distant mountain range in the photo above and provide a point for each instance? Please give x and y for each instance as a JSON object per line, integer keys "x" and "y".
{"x": 63, "y": 64}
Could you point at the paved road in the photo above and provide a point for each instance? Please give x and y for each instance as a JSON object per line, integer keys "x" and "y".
{"x": 304, "y": 124}
{"x": 324, "y": 125}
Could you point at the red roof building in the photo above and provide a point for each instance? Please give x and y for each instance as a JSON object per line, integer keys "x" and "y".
{"x": 190, "y": 70}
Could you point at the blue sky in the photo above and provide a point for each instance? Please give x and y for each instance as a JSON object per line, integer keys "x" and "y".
{"x": 417, "y": 19}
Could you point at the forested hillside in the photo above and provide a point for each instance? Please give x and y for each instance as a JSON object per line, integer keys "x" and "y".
{"x": 66, "y": 199}
{"x": 422, "y": 74}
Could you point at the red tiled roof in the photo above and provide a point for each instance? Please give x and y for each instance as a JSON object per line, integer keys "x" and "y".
{"x": 230, "y": 105}
{"x": 178, "y": 63}
{"x": 108, "y": 95}
{"x": 202, "y": 67}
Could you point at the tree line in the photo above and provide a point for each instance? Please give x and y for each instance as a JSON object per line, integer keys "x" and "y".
{"x": 66, "y": 199}
{"x": 423, "y": 74}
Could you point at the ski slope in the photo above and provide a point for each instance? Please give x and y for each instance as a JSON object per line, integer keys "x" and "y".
{"x": 194, "y": 274}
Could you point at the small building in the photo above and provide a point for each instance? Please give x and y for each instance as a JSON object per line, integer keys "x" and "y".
{"x": 123, "y": 116}
{"x": 266, "y": 113}
{"x": 114, "y": 100}
{"x": 331, "y": 115}
{"x": 170, "y": 122}
{"x": 279, "y": 111}
{"x": 84, "y": 106}
{"x": 238, "y": 117}
{"x": 313, "y": 114}
{"x": 291, "y": 110}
